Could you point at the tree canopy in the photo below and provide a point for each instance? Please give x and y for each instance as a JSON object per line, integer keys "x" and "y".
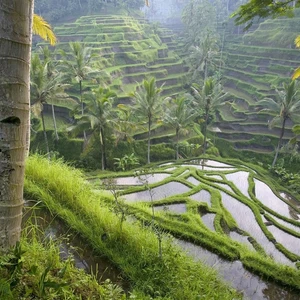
{"x": 262, "y": 9}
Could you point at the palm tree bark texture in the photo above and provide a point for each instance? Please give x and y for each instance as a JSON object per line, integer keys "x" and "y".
{"x": 15, "y": 46}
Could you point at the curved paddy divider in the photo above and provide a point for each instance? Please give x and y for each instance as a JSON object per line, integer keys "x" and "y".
{"x": 133, "y": 247}
{"x": 225, "y": 190}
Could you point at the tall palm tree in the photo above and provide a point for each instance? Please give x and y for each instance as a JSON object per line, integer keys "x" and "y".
{"x": 78, "y": 64}
{"x": 15, "y": 33}
{"x": 286, "y": 106}
{"x": 99, "y": 112}
{"x": 45, "y": 88}
{"x": 204, "y": 55}
{"x": 126, "y": 126}
{"x": 207, "y": 98}
{"x": 148, "y": 105}
{"x": 51, "y": 71}
{"x": 179, "y": 115}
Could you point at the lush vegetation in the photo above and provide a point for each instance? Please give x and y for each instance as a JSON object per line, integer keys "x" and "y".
{"x": 133, "y": 247}
{"x": 94, "y": 86}
{"x": 34, "y": 269}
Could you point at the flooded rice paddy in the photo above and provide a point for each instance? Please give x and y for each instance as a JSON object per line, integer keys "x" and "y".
{"x": 247, "y": 213}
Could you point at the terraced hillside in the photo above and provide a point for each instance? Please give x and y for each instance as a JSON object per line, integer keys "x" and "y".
{"x": 130, "y": 50}
{"x": 225, "y": 207}
{"x": 256, "y": 64}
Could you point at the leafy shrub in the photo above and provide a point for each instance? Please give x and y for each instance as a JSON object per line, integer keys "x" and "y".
{"x": 126, "y": 162}
{"x": 213, "y": 151}
{"x": 161, "y": 152}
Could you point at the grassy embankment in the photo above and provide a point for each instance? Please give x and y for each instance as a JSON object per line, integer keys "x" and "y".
{"x": 34, "y": 270}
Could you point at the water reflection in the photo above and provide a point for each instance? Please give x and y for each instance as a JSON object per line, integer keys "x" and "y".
{"x": 246, "y": 221}
{"x": 241, "y": 238}
{"x": 286, "y": 224}
{"x": 142, "y": 179}
{"x": 266, "y": 196}
{"x": 207, "y": 168}
{"x": 206, "y": 162}
{"x": 252, "y": 286}
{"x": 202, "y": 196}
{"x": 175, "y": 208}
{"x": 240, "y": 180}
{"x": 208, "y": 220}
{"x": 158, "y": 193}
{"x": 193, "y": 180}
{"x": 289, "y": 241}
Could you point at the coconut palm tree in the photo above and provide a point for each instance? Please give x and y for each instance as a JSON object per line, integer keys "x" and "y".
{"x": 15, "y": 32}
{"x": 148, "y": 105}
{"x": 125, "y": 126}
{"x": 51, "y": 71}
{"x": 45, "y": 88}
{"x": 207, "y": 98}
{"x": 204, "y": 55}
{"x": 179, "y": 115}
{"x": 286, "y": 106}
{"x": 78, "y": 64}
{"x": 98, "y": 113}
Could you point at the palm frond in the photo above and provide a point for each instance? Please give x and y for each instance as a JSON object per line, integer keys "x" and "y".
{"x": 43, "y": 29}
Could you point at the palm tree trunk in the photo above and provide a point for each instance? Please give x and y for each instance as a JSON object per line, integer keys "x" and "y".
{"x": 15, "y": 32}
{"x": 205, "y": 69}
{"x": 82, "y": 107}
{"x": 177, "y": 143}
{"x": 149, "y": 133}
{"x": 205, "y": 131}
{"x": 45, "y": 135}
{"x": 54, "y": 122}
{"x": 279, "y": 142}
{"x": 102, "y": 150}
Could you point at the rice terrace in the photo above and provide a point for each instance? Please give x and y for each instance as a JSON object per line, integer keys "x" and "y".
{"x": 150, "y": 149}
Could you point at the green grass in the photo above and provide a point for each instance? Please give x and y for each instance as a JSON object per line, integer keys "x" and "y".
{"x": 133, "y": 249}
{"x": 37, "y": 272}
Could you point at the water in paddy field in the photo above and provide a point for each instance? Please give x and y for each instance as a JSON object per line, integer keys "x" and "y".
{"x": 193, "y": 180}
{"x": 251, "y": 286}
{"x": 150, "y": 178}
{"x": 158, "y": 193}
{"x": 267, "y": 197}
{"x": 208, "y": 220}
{"x": 245, "y": 220}
{"x": 212, "y": 163}
{"x": 202, "y": 196}
{"x": 173, "y": 208}
{"x": 240, "y": 180}
{"x": 207, "y": 168}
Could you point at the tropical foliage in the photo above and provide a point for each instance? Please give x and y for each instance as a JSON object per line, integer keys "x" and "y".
{"x": 286, "y": 106}
{"x": 46, "y": 88}
{"x": 97, "y": 116}
{"x": 148, "y": 105}
{"x": 179, "y": 115}
{"x": 206, "y": 100}
{"x": 43, "y": 29}
{"x": 199, "y": 18}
